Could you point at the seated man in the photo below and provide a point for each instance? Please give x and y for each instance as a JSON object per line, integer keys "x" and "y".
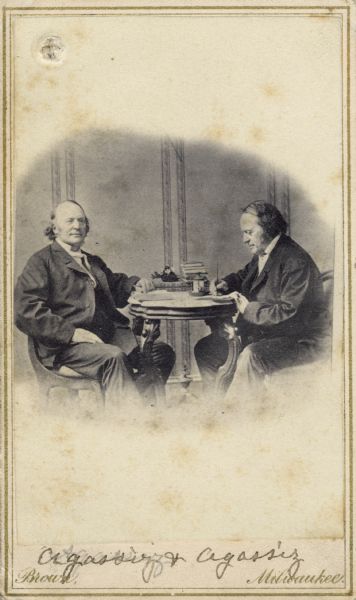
{"x": 67, "y": 300}
{"x": 282, "y": 313}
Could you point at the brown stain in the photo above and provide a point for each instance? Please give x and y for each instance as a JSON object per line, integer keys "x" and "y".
{"x": 155, "y": 425}
{"x": 265, "y": 408}
{"x": 80, "y": 34}
{"x": 51, "y": 82}
{"x": 170, "y": 501}
{"x": 323, "y": 203}
{"x": 212, "y": 429}
{"x": 65, "y": 491}
{"x": 328, "y": 524}
{"x": 258, "y": 135}
{"x": 270, "y": 90}
{"x": 43, "y": 509}
{"x": 263, "y": 449}
{"x": 336, "y": 177}
{"x": 219, "y": 132}
{"x": 332, "y": 511}
{"x": 211, "y": 425}
{"x": 294, "y": 474}
{"x": 240, "y": 471}
{"x": 78, "y": 118}
{"x": 26, "y": 109}
{"x": 69, "y": 451}
{"x": 61, "y": 435}
{"x": 41, "y": 80}
{"x": 182, "y": 455}
{"x": 34, "y": 81}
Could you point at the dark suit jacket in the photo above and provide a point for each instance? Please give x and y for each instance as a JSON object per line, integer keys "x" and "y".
{"x": 54, "y": 295}
{"x": 285, "y": 299}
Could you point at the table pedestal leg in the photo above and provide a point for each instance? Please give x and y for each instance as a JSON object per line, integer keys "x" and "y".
{"x": 226, "y": 371}
{"x": 152, "y": 376}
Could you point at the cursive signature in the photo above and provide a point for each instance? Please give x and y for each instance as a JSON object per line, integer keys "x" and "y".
{"x": 151, "y": 565}
{"x": 229, "y": 559}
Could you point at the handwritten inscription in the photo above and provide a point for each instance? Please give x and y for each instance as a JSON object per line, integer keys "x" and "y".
{"x": 64, "y": 566}
{"x": 228, "y": 560}
{"x": 151, "y": 565}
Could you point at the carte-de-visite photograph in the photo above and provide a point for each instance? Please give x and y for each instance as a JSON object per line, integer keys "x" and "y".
{"x": 177, "y": 237}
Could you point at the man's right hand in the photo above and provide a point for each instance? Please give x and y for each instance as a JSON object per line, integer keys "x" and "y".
{"x": 82, "y": 335}
{"x": 221, "y": 286}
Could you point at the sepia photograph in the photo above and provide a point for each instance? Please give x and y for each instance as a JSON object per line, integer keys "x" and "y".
{"x": 177, "y": 306}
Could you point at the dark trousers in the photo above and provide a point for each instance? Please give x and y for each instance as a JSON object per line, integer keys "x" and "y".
{"x": 257, "y": 359}
{"x": 114, "y": 364}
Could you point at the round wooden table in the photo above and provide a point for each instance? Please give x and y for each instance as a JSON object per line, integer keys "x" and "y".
{"x": 218, "y": 312}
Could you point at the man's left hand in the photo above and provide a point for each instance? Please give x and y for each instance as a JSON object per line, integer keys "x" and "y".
{"x": 241, "y": 301}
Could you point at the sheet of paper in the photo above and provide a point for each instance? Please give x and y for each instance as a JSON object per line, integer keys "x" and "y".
{"x": 163, "y": 121}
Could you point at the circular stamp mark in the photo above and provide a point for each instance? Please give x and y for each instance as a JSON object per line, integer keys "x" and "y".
{"x": 51, "y": 49}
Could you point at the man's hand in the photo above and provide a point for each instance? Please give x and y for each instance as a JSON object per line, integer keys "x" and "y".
{"x": 228, "y": 331}
{"x": 241, "y": 301}
{"x": 221, "y": 286}
{"x": 144, "y": 285}
{"x": 82, "y": 335}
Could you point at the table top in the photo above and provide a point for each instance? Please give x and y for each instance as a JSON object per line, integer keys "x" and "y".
{"x": 164, "y": 304}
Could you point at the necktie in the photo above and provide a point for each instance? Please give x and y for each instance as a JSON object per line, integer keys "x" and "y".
{"x": 86, "y": 266}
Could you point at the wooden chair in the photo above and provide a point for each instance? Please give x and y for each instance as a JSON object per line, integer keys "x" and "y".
{"x": 65, "y": 378}
{"x": 327, "y": 277}
{"x": 309, "y": 369}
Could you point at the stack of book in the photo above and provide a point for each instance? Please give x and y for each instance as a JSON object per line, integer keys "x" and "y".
{"x": 196, "y": 275}
{"x": 194, "y": 270}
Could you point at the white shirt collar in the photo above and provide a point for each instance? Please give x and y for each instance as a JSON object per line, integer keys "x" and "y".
{"x": 80, "y": 258}
{"x": 68, "y": 248}
{"x": 271, "y": 245}
{"x": 262, "y": 259}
